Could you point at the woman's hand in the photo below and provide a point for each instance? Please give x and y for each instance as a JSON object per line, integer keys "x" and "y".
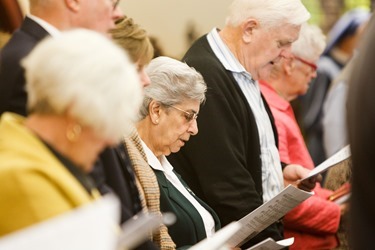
{"x": 293, "y": 173}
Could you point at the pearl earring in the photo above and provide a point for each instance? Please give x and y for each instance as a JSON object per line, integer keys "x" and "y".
{"x": 73, "y": 133}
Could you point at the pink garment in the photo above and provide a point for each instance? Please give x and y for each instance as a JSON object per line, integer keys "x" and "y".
{"x": 313, "y": 223}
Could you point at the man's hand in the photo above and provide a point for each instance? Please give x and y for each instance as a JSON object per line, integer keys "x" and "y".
{"x": 293, "y": 173}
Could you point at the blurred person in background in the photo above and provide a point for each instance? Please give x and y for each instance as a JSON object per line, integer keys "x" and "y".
{"x": 47, "y": 17}
{"x": 361, "y": 128}
{"x": 81, "y": 100}
{"x": 313, "y": 223}
{"x": 334, "y": 107}
{"x": 342, "y": 41}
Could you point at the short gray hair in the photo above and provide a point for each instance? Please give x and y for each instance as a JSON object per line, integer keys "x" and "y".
{"x": 85, "y": 75}
{"x": 172, "y": 82}
{"x": 310, "y": 44}
{"x": 270, "y": 13}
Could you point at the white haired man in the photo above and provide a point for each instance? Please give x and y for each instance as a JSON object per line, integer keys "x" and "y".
{"x": 233, "y": 163}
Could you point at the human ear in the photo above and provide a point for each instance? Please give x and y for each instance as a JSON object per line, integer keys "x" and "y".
{"x": 288, "y": 66}
{"x": 73, "y": 5}
{"x": 154, "y": 109}
{"x": 248, "y": 29}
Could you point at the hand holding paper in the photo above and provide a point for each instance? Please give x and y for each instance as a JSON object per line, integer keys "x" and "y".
{"x": 335, "y": 159}
{"x": 293, "y": 173}
{"x": 268, "y": 213}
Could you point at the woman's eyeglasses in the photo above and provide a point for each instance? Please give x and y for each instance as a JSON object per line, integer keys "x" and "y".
{"x": 188, "y": 115}
{"x": 312, "y": 65}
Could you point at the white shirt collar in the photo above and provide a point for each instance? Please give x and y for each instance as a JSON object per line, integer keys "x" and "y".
{"x": 223, "y": 53}
{"x": 166, "y": 167}
{"x": 153, "y": 161}
{"x": 52, "y": 30}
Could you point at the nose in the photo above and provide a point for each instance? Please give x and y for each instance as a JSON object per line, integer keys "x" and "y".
{"x": 193, "y": 127}
{"x": 313, "y": 74}
{"x": 286, "y": 52}
{"x": 145, "y": 79}
{"x": 117, "y": 13}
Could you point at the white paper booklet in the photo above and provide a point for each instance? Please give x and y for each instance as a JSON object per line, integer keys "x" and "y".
{"x": 219, "y": 239}
{"x": 93, "y": 226}
{"x": 343, "y": 199}
{"x": 268, "y": 213}
{"x": 340, "y": 156}
{"x": 136, "y": 230}
{"x": 270, "y": 244}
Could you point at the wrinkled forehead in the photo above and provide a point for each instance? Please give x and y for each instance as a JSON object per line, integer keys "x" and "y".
{"x": 287, "y": 32}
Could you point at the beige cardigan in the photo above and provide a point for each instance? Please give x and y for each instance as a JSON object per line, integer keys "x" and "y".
{"x": 148, "y": 188}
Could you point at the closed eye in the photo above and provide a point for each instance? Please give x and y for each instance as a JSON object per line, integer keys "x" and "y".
{"x": 283, "y": 44}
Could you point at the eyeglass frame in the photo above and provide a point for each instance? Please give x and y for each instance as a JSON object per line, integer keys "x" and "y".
{"x": 190, "y": 116}
{"x": 312, "y": 65}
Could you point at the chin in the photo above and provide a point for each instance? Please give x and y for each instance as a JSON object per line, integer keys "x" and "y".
{"x": 303, "y": 92}
{"x": 87, "y": 167}
{"x": 175, "y": 150}
{"x": 264, "y": 73}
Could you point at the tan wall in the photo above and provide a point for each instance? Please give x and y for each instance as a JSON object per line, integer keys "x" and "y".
{"x": 24, "y": 4}
{"x": 168, "y": 19}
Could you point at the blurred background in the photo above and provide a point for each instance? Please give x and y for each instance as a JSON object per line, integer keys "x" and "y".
{"x": 175, "y": 24}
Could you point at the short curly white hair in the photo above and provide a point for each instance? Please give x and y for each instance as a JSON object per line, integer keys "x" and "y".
{"x": 270, "y": 13}
{"x": 172, "y": 82}
{"x": 85, "y": 75}
{"x": 310, "y": 43}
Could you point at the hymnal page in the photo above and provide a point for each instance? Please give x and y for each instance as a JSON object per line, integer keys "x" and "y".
{"x": 219, "y": 239}
{"x": 136, "y": 230}
{"x": 270, "y": 244}
{"x": 335, "y": 159}
{"x": 268, "y": 213}
{"x": 93, "y": 226}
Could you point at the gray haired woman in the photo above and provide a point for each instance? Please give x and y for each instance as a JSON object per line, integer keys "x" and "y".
{"x": 167, "y": 121}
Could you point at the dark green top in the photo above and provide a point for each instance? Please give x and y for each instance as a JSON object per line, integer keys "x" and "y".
{"x": 189, "y": 227}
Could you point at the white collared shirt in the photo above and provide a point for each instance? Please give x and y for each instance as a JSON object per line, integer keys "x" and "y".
{"x": 167, "y": 169}
{"x": 272, "y": 176}
{"x": 52, "y": 30}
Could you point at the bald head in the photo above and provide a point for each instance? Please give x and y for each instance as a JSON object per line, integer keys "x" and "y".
{"x": 97, "y": 15}
{"x": 38, "y": 5}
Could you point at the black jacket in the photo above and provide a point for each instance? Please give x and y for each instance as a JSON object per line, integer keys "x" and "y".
{"x": 13, "y": 96}
{"x": 113, "y": 173}
{"x": 222, "y": 163}
{"x": 188, "y": 229}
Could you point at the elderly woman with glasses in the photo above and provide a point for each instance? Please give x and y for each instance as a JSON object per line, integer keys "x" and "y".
{"x": 314, "y": 223}
{"x": 167, "y": 121}
{"x": 81, "y": 100}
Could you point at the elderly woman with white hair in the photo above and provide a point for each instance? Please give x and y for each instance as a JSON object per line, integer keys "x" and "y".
{"x": 81, "y": 100}
{"x": 314, "y": 223}
{"x": 167, "y": 121}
